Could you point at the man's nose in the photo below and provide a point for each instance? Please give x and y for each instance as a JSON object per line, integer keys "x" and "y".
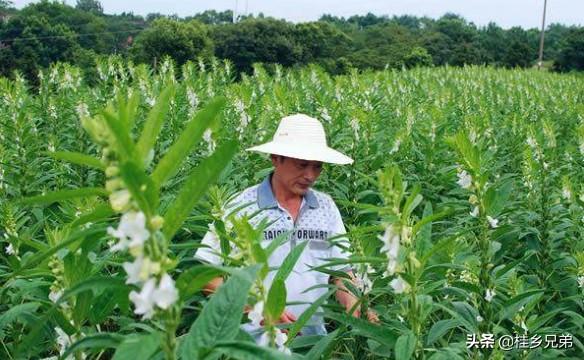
{"x": 311, "y": 174}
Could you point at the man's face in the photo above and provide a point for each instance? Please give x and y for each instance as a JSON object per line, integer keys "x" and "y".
{"x": 295, "y": 174}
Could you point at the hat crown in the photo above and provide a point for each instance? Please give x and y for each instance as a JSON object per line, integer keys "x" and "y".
{"x": 300, "y": 128}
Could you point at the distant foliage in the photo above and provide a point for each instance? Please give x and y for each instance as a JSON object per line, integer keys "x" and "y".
{"x": 337, "y": 44}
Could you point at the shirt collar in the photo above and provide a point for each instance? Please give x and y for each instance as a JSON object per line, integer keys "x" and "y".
{"x": 267, "y": 200}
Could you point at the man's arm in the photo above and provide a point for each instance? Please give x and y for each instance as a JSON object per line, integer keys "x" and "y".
{"x": 348, "y": 300}
{"x": 212, "y": 286}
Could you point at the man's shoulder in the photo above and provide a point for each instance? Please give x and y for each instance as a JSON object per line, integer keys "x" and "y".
{"x": 324, "y": 199}
{"x": 244, "y": 197}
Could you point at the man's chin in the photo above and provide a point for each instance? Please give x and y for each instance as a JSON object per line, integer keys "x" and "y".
{"x": 302, "y": 190}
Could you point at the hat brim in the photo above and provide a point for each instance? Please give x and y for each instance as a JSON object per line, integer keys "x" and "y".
{"x": 304, "y": 152}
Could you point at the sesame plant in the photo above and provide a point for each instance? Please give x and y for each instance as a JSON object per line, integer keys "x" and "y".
{"x": 464, "y": 210}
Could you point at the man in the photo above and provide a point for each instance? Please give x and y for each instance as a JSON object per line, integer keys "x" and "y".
{"x": 286, "y": 199}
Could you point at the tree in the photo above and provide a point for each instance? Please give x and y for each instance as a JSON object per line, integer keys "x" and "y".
{"x": 91, "y": 6}
{"x": 386, "y": 44}
{"x": 321, "y": 40}
{"x": 517, "y": 52}
{"x": 182, "y": 41}
{"x": 212, "y": 17}
{"x": 34, "y": 43}
{"x": 419, "y": 56}
{"x": 92, "y": 28}
{"x": 571, "y": 54}
{"x": 257, "y": 40}
{"x": 453, "y": 41}
{"x": 492, "y": 42}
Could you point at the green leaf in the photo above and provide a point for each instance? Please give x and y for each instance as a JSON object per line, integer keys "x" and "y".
{"x": 142, "y": 188}
{"x": 154, "y": 122}
{"x": 220, "y": 318}
{"x": 195, "y": 278}
{"x": 412, "y": 202}
{"x": 77, "y": 158}
{"x": 496, "y": 198}
{"x": 191, "y": 135}
{"x": 15, "y": 312}
{"x": 138, "y": 346}
{"x": 276, "y": 300}
{"x": 121, "y": 132}
{"x": 382, "y": 335}
{"x": 249, "y": 351}
{"x": 63, "y": 195}
{"x": 462, "y": 315}
{"x": 99, "y": 213}
{"x": 93, "y": 284}
{"x": 42, "y": 256}
{"x": 307, "y": 314}
{"x": 195, "y": 186}
{"x": 424, "y": 236}
{"x": 105, "y": 303}
{"x": 274, "y": 244}
{"x": 440, "y": 328}
{"x": 96, "y": 341}
{"x": 323, "y": 347}
{"x": 511, "y": 307}
{"x": 289, "y": 262}
{"x": 405, "y": 346}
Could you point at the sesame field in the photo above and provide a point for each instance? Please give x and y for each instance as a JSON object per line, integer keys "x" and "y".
{"x": 464, "y": 211}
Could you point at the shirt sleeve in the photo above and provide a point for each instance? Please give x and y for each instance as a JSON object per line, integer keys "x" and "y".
{"x": 341, "y": 243}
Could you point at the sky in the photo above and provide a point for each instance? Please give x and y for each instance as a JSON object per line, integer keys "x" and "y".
{"x": 506, "y": 13}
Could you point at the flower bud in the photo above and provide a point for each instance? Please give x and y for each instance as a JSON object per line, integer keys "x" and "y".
{"x": 156, "y": 222}
{"x": 120, "y": 200}
{"x": 111, "y": 171}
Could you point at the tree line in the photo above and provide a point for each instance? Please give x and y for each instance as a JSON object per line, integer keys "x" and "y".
{"x": 49, "y": 31}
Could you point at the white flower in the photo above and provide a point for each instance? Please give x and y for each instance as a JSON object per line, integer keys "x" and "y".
{"x": 208, "y": 137}
{"x": 464, "y": 179}
{"x": 54, "y": 296}
{"x": 581, "y": 281}
{"x": 256, "y": 315}
{"x": 363, "y": 282}
{"x": 391, "y": 242}
{"x": 131, "y": 232}
{"x": 264, "y": 339}
{"x": 531, "y": 142}
{"x": 489, "y": 295}
{"x": 166, "y": 294}
{"x": 140, "y": 270}
{"x": 82, "y": 110}
{"x": 144, "y": 300}
{"x": 479, "y": 318}
{"x": 475, "y": 212}
{"x": 566, "y": 193}
{"x": 10, "y": 250}
{"x": 492, "y": 222}
{"x": 63, "y": 342}
{"x": 281, "y": 338}
{"x": 193, "y": 98}
{"x": 399, "y": 285}
{"x": 396, "y": 146}
{"x": 400, "y": 318}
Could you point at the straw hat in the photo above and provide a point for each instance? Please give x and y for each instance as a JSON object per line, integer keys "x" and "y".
{"x": 301, "y": 137}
